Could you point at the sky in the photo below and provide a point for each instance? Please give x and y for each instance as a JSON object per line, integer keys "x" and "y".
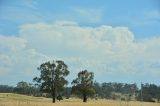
{"x": 118, "y": 40}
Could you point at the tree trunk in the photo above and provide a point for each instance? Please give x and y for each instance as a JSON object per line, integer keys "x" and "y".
{"x": 84, "y": 98}
{"x": 53, "y": 89}
{"x": 53, "y": 96}
{"x": 53, "y": 99}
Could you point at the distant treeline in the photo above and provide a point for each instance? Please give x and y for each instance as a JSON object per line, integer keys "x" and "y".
{"x": 119, "y": 91}
{"x": 21, "y": 88}
{"x": 124, "y": 91}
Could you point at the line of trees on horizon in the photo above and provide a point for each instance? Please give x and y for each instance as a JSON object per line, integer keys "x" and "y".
{"x": 51, "y": 83}
{"x": 106, "y": 90}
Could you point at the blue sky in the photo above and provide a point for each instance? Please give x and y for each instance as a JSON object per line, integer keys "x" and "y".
{"x": 117, "y": 40}
{"x": 142, "y": 17}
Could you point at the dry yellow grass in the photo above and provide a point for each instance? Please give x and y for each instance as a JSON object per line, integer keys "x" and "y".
{"x": 7, "y": 99}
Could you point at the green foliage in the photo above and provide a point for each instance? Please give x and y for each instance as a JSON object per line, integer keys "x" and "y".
{"x": 105, "y": 90}
{"x": 149, "y": 93}
{"x": 26, "y": 88}
{"x": 67, "y": 92}
{"x": 6, "y": 89}
{"x": 84, "y": 84}
{"x": 52, "y": 77}
{"x": 59, "y": 97}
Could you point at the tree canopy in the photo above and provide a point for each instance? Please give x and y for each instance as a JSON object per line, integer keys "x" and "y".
{"x": 83, "y": 84}
{"x": 52, "y": 77}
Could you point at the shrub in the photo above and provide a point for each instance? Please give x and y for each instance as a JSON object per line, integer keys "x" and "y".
{"x": 59, "y": 97}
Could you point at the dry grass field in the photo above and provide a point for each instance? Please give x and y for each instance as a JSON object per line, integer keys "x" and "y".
{"x": 9, "y": 99}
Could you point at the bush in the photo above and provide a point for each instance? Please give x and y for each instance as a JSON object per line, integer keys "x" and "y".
{"x": 59, "y": 97}
{"x": 67, "y": 97}
{"x": 123, "y": 99}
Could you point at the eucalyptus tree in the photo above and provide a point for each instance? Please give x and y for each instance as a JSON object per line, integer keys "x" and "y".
{"x": 52, "y": 77}
{"x": 83, "y": 84}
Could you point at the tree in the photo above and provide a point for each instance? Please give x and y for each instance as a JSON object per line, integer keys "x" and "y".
{"x": 52, "y": 77}
{"x": 22, "y": 84}
{"x": 84, "y": 84}
{"x": 149, "y": 93}
{"x": 26, "y": 88}
{"x": 22, "y": 87}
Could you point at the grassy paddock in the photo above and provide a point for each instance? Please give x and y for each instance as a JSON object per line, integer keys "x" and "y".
{"x": 9, "y": 99}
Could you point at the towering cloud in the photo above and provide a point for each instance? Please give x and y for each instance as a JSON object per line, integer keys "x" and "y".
{"x": 105, "y": 50}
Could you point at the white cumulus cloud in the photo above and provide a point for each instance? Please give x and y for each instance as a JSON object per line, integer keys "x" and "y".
{"x": 105, "y": 50}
